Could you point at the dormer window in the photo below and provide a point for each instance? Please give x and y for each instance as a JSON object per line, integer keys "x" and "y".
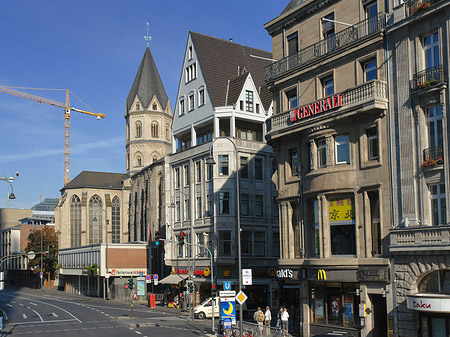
{"x": 155, "y": 106}
{"x": 138, "y": 106}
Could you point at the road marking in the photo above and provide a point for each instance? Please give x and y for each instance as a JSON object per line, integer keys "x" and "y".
{"x": 138, "y": 332}
{"x": 24, "y": 316}
{"x": 38, "y": 315}
{"x": 28, "y": 323}
{"x": 10, "y": 305}
{"x": 33, "y": 303}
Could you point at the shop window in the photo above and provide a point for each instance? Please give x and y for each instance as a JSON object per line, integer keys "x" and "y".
{"x": 342, "y": 149}
{"x": 225, "y": 243}
{"x": 244, "y": 205}
{"x": 223, "y": 165}
{"x": 224, "y": 203}
{"x": 244, "y": 168}
{"x": 438, "y": 204}
{"x": 342, "y": 226}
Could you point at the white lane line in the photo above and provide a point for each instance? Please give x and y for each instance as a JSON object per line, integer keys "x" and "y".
{"x": 28, "y": 323}
{"x": 138, "y": 332}
{"x": 33, "y": 303}
{"x": 10, "y": 305}
{"x": 38, "y": 315}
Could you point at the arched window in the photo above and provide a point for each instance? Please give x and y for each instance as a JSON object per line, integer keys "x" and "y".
{"x": 139, "y": 161}
{"x": 155, "y": 106}
{"x": 435, "y": 282}
{"x": 115, "y": 220}
{"x": 75, "y": 222}
{"x": 95, "y": 220}
{"x": 138, "y": 129}
{"x": 138, "y": 106}
{"x": 154, "y": 130}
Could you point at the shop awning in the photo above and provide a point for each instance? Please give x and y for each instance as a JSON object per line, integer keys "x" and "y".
{"x": 173, "y": 279}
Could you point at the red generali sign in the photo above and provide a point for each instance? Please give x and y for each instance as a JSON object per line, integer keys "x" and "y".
{"x": 316, "y": 108}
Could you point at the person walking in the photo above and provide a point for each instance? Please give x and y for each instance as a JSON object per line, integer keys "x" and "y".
{"x": 258, "y": 316}
{"x": 279, "y": 317}
{"x": 285, "y": 320}
{"x": 267, "y": 320}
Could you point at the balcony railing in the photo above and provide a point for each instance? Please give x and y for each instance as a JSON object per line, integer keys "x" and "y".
{"x": 344, "y": 38}
{"x": 363, "y": 93}
{"x": 420, "y": 238}
{"x": 428, "y": 78}
{"x": 433, "y": 156}
{"x": 418, "y": 6}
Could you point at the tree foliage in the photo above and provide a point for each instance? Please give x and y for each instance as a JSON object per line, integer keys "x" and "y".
{"x": 50, "y": 243}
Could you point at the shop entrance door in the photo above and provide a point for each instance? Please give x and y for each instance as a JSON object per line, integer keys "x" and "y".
{"x": 379, "y": 315}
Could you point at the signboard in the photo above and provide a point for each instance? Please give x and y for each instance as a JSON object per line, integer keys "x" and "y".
{"x": 227, "y": 285}
{"x": 148, "y": 279}
{"x": 227, "y": 323}
{"x": 107, "y": 275}
{"x": 140, "y": 285}
{"x": 247, "y": 277}
{"x": 227, "y": 293}
{"x": 228, "y": 309}
{"x": 341, "y": 210}
{"x": 241, "y": 297}
{"x": 318, "y": 107}
{"x": 375, "y": 274}
{"x": 430, "y": 304}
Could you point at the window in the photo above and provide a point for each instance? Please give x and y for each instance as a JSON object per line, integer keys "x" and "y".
{"x": 190, "y": 53}
{"x": 241, "y": 105}
{"x": 342, "y": 149}
{"x": 259, "y": 205}
{"x": 438, "y": 207}
{"x": 191, "y": 72}
{"x": 155, "y": 106}
{"x": 154, "y": 130}
{"x": 436, "y": 282}
{"x": 138, "y": 106}
{"x": 291, "y": 97}
{"x": 431, "y": 50}
{"x": 177, "y": 177}
{"x": 342, "y": 226}
{"x": 293, "y": 159}
{"x": 186, "y": 175}
{"x": 244, "y": 205}
{"x": 374, "y": 201}
{"x": 257, "y": 108}
{"x": 75, "y": 221}
{"x": 178, "y": 210}
{"x": 201, "y": 97}
{"x": 258, "y": 169}
{"x": 180, "y": 247}
{"x": 223, "y": 165}
{"x": 275, "y": 214}
{"x": 322, "y": 152}
{"x": 95, "y": 220}
{"x": 244, "y": 168}
{"x": 370, "y": 70}
{"x": 328, "y": 31}
{"x": 181, "y": 106}
{"x": 292, "y": 52}
{"x": 434, "y": 125}
{"x": 209, "y": 205}
{"x": 115, "y": 212}
{"x": 186, "y": 209}
{"x": 327, "y": 86}
{"x": 191, "y": 102}
{"x": 198, "y": 170}
{"x": 314, "y": 221}
{"x": 260, "y": 244}
{"x": 249, "y": 101}
{"x": 167, "y": 132}
{"x": 209, "y": 172}
{"x": 246, "y": 243}
{"x": 276, "y": 244}
{"x": 224, "y": 203}
{"x": 138, "y": 129}
{"x": 371, "y": 11}
{"x": 372, "y": 143}
{"x": 138, "y": 161}
{"x": 199, "y": 207}
{"x": 225, "y": 243}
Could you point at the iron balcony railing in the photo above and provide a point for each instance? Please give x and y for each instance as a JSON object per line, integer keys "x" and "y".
{"x": 364, "y": 93}
{"x": 428, "y": 78}
{"x": 344, "y": 38}
{"x": 433, "y": 156}
{"x": 418, "y": 6}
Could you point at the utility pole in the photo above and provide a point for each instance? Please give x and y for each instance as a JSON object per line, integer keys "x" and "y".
{"x": 41, "y": 274}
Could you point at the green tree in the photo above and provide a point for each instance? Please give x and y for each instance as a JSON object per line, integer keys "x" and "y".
{"x": 50, "y": 243}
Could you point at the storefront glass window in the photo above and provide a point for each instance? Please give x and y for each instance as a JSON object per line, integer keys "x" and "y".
{"x": 342, "y": 226}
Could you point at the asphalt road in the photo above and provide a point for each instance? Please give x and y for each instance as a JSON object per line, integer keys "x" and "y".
{"x": 35, "y": 313}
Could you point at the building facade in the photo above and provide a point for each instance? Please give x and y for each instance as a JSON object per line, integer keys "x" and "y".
{"x": 329, "y": 131}
{"x": 221, "y": 109}
{"x": 418, "y": 35}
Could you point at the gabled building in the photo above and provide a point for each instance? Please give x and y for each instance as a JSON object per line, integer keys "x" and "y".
{"x": 221, "y": 109}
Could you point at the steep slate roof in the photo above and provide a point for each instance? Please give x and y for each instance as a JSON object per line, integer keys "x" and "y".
{"x": 89, "y": 179}
{"x": 292, "y": 4}
{"x": 235, "y": 87}
{"x": 147, "y": 83}
{"x": 221, "y": 60}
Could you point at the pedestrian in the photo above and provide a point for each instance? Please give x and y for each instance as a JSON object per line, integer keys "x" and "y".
{"x": 279, "y": 317}
{"x": 148, "y": 299}
{"x": 267, "y": 320}
{"x": 285, "y": 320}
{"x": 258, "y": 316}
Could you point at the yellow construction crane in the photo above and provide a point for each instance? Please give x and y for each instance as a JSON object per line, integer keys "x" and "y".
{"x": 67, "y": 108}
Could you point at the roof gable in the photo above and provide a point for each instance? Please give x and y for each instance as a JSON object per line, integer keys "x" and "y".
{"x": 103, "y": 180}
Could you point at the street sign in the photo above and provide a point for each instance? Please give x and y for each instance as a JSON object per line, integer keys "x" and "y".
{"x": 31, "y": 255}
{"x": 227, "y": 285}
{"x": 227, "y": 293}
{"x": 155, "y": 276}
{"x": 141, "y": 274}
{"x": 228, "y": 309}
{"x": 148, "y": 279}
{"x": 247, "y": 277}
{"x": 241, "y": 297}
{"x": 107, "y": 275}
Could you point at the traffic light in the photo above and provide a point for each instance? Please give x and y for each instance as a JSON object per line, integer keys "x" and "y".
{"x": 157, "y": 238}
{"x": 130, "y": 283}
{"x": 213, "y": 290}
{"x": 181, "y": 238}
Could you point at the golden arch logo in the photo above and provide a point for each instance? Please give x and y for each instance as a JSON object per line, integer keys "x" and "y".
{"x": 321, "y": 274}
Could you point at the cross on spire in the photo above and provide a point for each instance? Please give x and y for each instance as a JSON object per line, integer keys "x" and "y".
{"x": 147, "y": 37}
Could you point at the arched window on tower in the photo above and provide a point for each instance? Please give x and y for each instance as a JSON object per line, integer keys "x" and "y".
{"x": 155, "y": 106}
{"x": 138, "y": 129}
{"x": 115, "y": 220}
{"x": 138, "y": 106}
{"x": 95, "y": 220}
{"x": 138, "y": 161}
{"x": 75, "y": 222}
{"x": 154, "y": 130}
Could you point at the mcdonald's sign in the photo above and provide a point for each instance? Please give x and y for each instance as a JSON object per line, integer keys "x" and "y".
{"x": 321, "y": 274}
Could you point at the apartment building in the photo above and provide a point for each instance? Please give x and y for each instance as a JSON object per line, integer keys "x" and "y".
{"x": 329, "y": 130}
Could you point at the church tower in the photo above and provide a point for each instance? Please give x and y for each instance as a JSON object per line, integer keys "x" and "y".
{"x": 148, "y": 117}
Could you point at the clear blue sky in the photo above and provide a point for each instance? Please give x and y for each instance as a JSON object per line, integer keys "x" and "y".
{"x": 93, "y": 48}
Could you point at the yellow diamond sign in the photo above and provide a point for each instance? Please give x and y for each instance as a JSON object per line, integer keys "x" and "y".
{"x": 241, "y": 297}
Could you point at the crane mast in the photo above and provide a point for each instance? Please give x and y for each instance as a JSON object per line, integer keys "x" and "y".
{"x": 67, "y": 109}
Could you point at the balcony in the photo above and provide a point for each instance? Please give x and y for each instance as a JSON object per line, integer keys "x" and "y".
{"x": 319, "y": 50}
{"x": 418, "y": 6}
{"x": 364, "y": 94}
{"x": 427, "y": 78}
{"x": 420, "y": 238}
{"x": 433, "y": 156}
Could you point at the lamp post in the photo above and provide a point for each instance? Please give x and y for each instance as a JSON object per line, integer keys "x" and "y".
{"x": 10, "y": 180}
{"x": 210, "y": 161}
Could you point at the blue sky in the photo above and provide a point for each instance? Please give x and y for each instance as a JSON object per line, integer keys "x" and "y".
{"x": 93, "y": 48}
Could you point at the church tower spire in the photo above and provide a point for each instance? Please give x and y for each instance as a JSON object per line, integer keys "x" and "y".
{"x": 148, "y": 116}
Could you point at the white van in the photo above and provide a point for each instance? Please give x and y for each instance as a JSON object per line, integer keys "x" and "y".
{"x": 204, "y": 309}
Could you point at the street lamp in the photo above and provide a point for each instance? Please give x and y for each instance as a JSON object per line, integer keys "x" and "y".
{"x": 10, "y": 180}
{"x": 210, "y": 161}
